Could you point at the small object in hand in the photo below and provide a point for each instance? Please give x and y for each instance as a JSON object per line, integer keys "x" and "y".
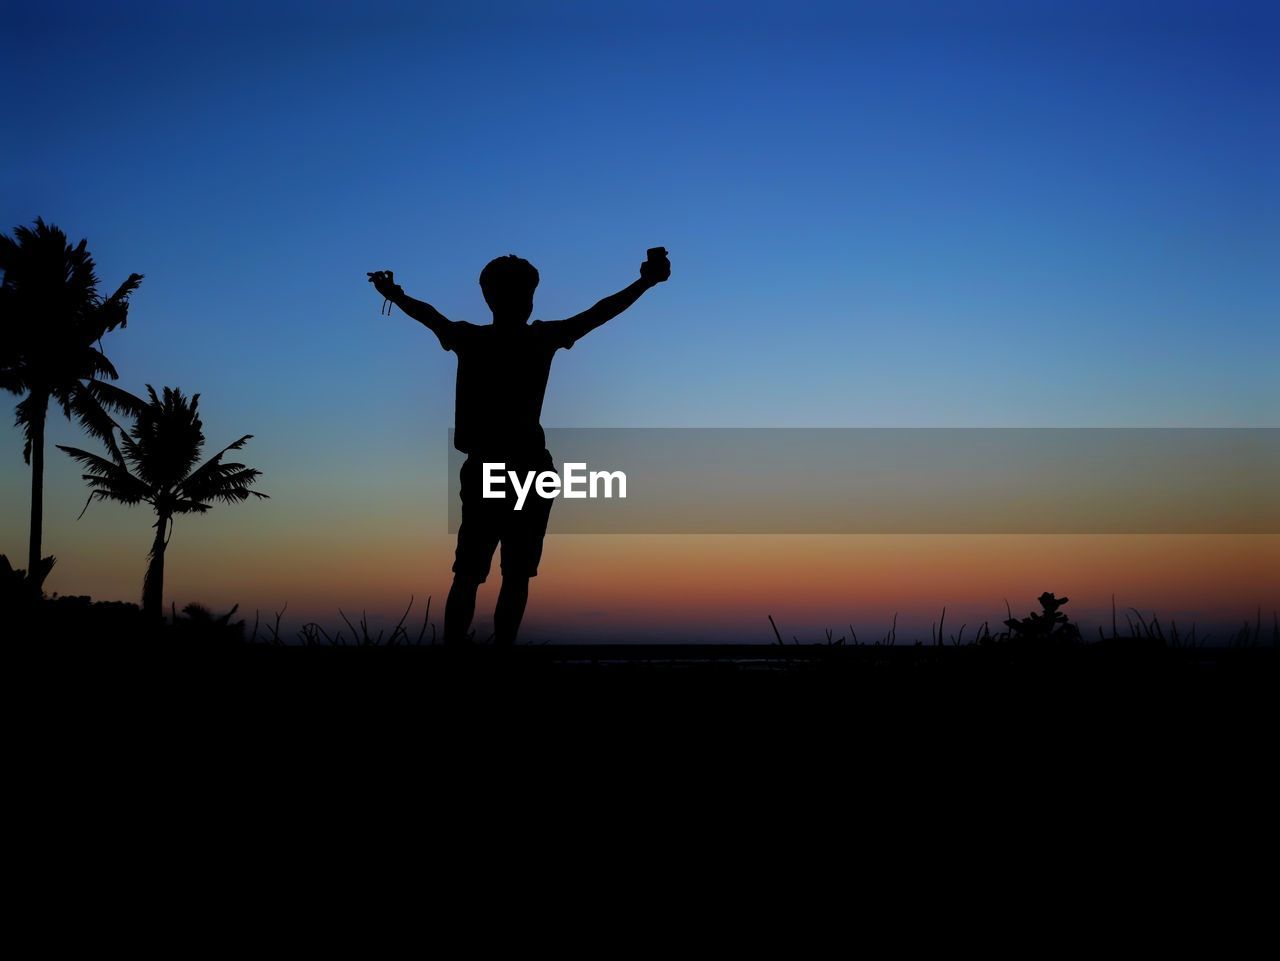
{"x": 657, "y": 267}
{"x": 377, "y": 278}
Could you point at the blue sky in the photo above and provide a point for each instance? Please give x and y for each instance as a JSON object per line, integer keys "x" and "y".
{"x": 870, "y": 214}
{"x": 878, "y": 214}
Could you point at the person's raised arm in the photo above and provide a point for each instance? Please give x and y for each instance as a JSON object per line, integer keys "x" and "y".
{"x": 653, "y": 271}
{"x": 384, "y": 282}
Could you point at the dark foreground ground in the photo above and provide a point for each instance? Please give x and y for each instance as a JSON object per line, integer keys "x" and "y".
{"x": 75, "y": 660}
{"x": 1085, "y": 763}
{"x": 808, "y": 676}
{"x": 724, "y": 740}
{"x": 742, "y": 665}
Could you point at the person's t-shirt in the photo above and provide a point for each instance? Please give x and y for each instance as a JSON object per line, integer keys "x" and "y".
{"x": 502, "y": 378}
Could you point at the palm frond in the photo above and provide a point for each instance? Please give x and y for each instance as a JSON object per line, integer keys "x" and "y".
{"x": 212, "y": 469}
{"x": 184, "y": 505}
{"x": 115, "y": 398}
{"x": 13, "y": 379}
{"x": 114, "y": 311}
{"x": 132, "y": 452}
{"x": 109, "y": 479}
{"x": 103, "y": 495}
{"x": 95, "y": 421}
{"x": 9, "y": 251}
{"x": 168, "y": 438}
{"x": 94, "y": 365}
{"x": 95, "y": 463}
{"x": 230, "y": 484}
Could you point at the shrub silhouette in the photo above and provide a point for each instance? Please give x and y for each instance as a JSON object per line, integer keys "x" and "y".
{"x": 1050, "y": 625}
{"x": 17, "y": 588}
{"x": 201, "y": 625}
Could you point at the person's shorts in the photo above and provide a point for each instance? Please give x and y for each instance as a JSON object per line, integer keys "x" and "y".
{"x": 487, "y": 522}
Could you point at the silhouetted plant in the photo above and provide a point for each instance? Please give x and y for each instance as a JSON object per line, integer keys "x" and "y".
{"x": 16, "y": 587}
{"x": 312, "y": 634}
{"x": 1051, "y": 624}
{"x": 155, "y": 464}
{"x": 52, "y": 320}
{"x": 201, "y": 624}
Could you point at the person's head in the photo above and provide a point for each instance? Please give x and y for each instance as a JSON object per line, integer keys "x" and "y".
{"x": 508, "y": 284}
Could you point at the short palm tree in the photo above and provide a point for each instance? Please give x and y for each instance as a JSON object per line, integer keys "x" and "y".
{"x": 51, "y": 323}
{"x": 155, "y": 464}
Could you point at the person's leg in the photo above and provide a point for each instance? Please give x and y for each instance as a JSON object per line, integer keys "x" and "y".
{"x": 522, "y": 535}
{"x": 477, "y": 540}
{"x": 509, "y": 611}
{"x": 460, "y": 608}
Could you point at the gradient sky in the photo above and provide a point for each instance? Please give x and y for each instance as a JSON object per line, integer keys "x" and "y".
{"x": 984, "y": 214}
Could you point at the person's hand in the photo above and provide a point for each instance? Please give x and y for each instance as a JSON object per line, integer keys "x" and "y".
{"x": 384, "y": 282}
{"x": 657, "y": 268}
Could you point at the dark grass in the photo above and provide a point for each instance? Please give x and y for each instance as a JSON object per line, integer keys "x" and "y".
{"x": 1047, "y": 637}
{"x": 89, "y": 682}
{"x": 1032, "y": 677}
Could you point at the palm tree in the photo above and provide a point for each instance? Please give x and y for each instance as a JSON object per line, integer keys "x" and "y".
{"x": 156, "y": 464}
{"x": 51, "y": 323}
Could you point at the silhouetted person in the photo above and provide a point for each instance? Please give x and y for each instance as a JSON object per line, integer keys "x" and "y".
{"x": 502, "y": 378}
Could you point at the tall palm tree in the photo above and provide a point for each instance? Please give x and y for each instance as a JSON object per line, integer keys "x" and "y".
{"x": 155, "y": 464}
{"x": 52, "y": 320}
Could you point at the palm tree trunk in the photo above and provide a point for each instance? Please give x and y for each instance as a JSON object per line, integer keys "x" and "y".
{"x": 37, "y": 495}
{"x": 153, "y": 583}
